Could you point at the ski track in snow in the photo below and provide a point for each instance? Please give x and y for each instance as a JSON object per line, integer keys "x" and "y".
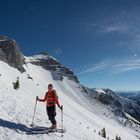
{"x": 16, "y": 108}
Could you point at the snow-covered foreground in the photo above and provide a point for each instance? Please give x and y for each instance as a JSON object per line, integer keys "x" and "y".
{"x": 16, "y": 108}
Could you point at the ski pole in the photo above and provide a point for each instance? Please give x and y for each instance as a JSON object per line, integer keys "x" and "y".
{"x": 62, "y": 119}
{"x": 34, "y": 112}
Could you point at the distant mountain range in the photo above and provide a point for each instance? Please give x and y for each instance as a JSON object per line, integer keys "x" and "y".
{"x": 133, "y": 95}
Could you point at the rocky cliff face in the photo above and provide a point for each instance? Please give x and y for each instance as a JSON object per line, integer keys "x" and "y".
{"x": 57, "y": 69}
{"x": 10, "y": 53}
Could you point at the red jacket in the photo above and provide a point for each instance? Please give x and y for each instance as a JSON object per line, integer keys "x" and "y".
{"x": 51, "y": 98}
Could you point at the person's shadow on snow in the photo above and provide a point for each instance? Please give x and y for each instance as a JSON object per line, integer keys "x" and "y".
{"x": 19, "y": 128}
{"x": 14, "y": 126}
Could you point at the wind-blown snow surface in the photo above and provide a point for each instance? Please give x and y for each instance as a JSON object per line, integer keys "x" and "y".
{"x": 16, "y": 108}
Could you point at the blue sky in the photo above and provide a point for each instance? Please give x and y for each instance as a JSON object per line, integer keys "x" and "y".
{"x": 98, "y": 39}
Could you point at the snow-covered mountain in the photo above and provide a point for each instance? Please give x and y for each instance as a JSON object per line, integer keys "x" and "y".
{"x": 123, "y": 110}
{"x": 86, "y": 111}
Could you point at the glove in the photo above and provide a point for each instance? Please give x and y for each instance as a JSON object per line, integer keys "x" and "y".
{"x": 61, "y": 107}
{"x": 37, "y": 98}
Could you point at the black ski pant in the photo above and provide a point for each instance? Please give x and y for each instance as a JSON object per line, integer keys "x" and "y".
{"x": 51, "y": 112}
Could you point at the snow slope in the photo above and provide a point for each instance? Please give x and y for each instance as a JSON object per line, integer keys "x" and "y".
{"x": 16, "y": 108}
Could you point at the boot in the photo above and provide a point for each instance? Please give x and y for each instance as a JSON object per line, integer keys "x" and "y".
{"x": 54, "y": 126}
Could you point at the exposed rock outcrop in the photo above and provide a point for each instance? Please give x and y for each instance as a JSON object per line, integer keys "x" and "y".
{"x": 10, "y": 53}
{"x": 57, "y": 69}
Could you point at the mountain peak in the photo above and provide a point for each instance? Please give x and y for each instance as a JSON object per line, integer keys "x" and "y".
{"x": 53, "y": 65}
{"x": 3, "y": 38}
{"x": 44, "y": 53}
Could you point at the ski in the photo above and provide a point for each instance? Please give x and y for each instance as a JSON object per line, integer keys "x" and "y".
{"x": 56, "y": 130}
{"x": 45, "y": 131}
{"x": 39, "y": 128}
